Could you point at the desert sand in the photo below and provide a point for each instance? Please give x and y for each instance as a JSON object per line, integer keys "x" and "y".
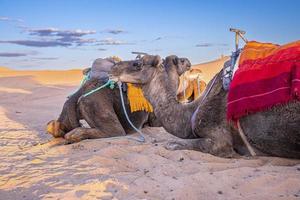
{"x": 33, "y": 165}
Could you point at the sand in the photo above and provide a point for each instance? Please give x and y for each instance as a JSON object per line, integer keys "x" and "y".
{"x": 34, "y": 165}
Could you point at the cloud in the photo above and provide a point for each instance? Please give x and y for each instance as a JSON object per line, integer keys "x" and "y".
{"x": 17, "y": 54}
{"x": 51, "y": 37}
{"x": 54, "y": 37}
{"x": 77, "y": 41}
{"x": 6, "y": 54}
{"x": 61, "y": 33}
{"x": 114, "y": 31}
{"x": 102, "y": 49}
{"x": 169, "y": 37}
{"x": 211, "y": 45}
{"x": 45, "y": 58}
{"x": 37, "y": 43}
{"x": 4, "y": 19}
{"x": 158, "y": 38}
{"x": 111, "y": 41}
{"x": 8, "y": 19}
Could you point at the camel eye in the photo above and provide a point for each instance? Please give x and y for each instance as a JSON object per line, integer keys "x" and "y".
{"x": 138, "y": 65}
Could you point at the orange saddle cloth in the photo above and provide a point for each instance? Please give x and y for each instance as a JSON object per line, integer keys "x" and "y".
{"x": 268, "y": 75}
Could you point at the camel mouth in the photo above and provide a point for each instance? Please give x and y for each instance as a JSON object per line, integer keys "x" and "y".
{"x": 125, "y": 78}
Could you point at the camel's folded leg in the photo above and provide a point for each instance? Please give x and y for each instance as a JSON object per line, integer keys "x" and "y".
{"x": 78, "y": 134}
{"x": 218, "y": 142}
{"x": 200, "y": 144}
{"x": 97, "y": 110}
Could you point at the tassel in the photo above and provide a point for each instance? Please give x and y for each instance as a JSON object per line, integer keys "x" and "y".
{"x": 137, "y": 100}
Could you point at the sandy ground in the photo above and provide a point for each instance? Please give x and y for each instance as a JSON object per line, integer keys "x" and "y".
{"x": 35, "y": 166}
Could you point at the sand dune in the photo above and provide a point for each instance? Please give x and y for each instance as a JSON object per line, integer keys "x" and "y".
{"x": 47, "y": 77}
{"x": 35, "y": 166}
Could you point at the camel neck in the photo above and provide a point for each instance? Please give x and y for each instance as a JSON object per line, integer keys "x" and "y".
{"x": 174, "y": 116}
{"x": 173, "y": 78}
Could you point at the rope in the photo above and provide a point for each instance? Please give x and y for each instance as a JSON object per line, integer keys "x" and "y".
{"x": 142, "y": 137}
{"x": 86, "y": 77}
{"x": 244, "y": 138}
{"x": 109, "y": 83}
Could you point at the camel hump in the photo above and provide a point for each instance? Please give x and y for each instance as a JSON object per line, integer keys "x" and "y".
{"x": 101, "y": 67}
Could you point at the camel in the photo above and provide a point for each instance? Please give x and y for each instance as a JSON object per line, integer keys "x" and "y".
{"x": 191, "y": 85}
{"x": 110, "y": 120}
{"x": 175, "y": 67}
{"x": 273, "y": 132}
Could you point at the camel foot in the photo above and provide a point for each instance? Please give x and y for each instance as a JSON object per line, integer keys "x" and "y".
{"x": 75, "y": 135}
{"x": 175, "y": 146}
{"x": 201, "y": 144}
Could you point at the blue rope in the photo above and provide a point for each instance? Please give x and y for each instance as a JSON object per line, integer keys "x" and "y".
{"x": 109, "y": 83}
{"x": 86, "y": 77}
{"x": 142, "y": 137}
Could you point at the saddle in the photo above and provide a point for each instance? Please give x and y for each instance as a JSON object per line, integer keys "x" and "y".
{"x": 267, "y": 75}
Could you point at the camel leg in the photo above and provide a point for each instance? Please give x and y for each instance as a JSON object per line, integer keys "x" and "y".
{"x": 78, "y": 134}
{"x": 199, "y": 144}
{"x": 217, "y": 142}
{"x": 101, "y": 117}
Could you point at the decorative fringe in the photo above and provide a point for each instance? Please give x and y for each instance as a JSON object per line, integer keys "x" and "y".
{"x": 137, "y": 100}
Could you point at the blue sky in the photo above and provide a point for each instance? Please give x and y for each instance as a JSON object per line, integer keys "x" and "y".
{"x": 61, "y": 34}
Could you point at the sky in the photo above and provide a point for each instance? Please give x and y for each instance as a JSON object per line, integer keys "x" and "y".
{"x": 66, "y": 34}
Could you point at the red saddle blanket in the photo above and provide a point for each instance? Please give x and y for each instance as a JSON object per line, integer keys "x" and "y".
{"x": 268, "y": 75}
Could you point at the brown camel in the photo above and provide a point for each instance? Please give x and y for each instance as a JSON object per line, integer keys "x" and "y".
{"x": 175, "y": 67}
{"x": 102, "y": 110}
{"x": 273, "y": 132}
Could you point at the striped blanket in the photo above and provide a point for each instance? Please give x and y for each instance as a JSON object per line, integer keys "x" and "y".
{"x": 268, "y": 75}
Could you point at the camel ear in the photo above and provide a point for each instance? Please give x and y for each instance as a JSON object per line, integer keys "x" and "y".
{"x": 175, "y": 60}
{"x": 85, "y": 72}
{"x": 157, "y": 61}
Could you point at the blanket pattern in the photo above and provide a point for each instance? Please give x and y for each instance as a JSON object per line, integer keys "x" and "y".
{"x": 268, "y": 75}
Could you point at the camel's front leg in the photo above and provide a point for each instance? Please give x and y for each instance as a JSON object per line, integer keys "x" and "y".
{"x": 78, "y": 134}
{"x": 98, "y": 112}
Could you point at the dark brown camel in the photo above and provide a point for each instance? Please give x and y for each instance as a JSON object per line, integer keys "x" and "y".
{"x": 273, "y": 132}
{"x": 103, "y": 111}
{"x": 174, "y": 67}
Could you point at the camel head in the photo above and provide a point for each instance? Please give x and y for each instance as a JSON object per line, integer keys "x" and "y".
{"x": 181, "y": 64}
{"x": 137, "y": 71}
{"x": 55, "y": 128}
